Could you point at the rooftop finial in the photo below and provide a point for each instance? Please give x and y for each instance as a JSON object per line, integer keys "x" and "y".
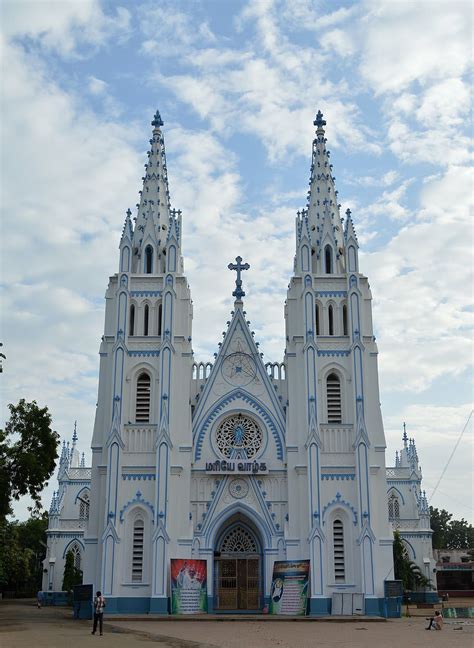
{"x": 319, "y": 122}
{"x": 157, "y": 121}
{"x": 74, "y": 436}
{"x": 405, "y": 437}
{"x": 239, "y": 266}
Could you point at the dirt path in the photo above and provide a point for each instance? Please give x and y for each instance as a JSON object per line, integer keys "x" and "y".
{"x": 22, "y": 625}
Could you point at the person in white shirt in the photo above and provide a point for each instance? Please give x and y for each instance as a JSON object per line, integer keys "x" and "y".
{"x": 99, "y": 605}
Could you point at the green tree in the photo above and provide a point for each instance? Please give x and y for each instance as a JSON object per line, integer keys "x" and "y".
{"x": 405, "y": 569}
{"x": 72, "y": 575}
{"x": 15, "y": 561}
{"x": 28, "y": 453}
{"x": 449, "y": 533}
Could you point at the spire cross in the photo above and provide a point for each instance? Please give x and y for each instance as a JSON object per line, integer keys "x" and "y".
{"x": 239, "y": 266}
{"x": 157, "y": 121}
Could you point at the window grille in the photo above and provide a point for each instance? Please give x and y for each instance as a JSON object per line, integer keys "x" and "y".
{"x": 338, "y": 544}
{"x": 142, "y": 409}
{"x": 137, "y": 551}
{"x": 393, "y": 507}
{"x": 76, "y": 552}
{"x": 333, "y": 396}
{"x": 84, "y": 507}
{"x": 239, "y": 540}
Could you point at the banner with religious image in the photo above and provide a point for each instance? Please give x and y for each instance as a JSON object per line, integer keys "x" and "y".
{"x": 188, "y": 586}
{"x": 290, "y": 584}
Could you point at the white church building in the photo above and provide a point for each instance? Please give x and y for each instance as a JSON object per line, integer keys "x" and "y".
{"x": 237, "y": 462}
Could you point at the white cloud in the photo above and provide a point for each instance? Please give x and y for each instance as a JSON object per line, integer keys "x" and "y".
{"x": 407, "y": 42}
{"x": 63, "y": 26}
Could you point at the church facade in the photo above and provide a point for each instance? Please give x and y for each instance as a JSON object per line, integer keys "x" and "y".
{"x": 238, "y": 462}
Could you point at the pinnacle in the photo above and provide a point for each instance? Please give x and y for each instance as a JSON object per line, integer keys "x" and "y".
{"x": 157, "y": 121}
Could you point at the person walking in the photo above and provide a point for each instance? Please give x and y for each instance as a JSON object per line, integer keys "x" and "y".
{"x": 99, "y": 605}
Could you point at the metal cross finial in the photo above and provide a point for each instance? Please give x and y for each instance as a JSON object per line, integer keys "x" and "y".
{"x": 405, "y": 437}
{"x": 239, "y": 266}
{"x": 157, "y": 121}
{"x": 319, "y": 121}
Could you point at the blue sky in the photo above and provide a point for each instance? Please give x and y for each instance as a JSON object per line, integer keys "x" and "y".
{"x": 238, "y": 85}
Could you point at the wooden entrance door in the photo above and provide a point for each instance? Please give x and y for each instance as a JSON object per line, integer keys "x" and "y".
{"x": 237, "y": 582}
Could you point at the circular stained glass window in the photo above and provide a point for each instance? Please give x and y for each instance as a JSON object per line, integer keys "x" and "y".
{"x": 239, "y": 432}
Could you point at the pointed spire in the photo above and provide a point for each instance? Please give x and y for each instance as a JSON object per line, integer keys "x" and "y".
{"x": 154, "y": 209}
{"x": 127, "y": 231}
{"x": 405, "y": 437}
{"x": 322, "y": 210}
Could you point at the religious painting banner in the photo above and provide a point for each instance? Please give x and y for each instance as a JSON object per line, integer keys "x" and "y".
{"x": 188, "y": 586}
{"x": 289, "y": 592}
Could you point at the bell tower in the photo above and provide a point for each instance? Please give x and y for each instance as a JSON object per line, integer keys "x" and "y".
{"x": 335, "y": 437}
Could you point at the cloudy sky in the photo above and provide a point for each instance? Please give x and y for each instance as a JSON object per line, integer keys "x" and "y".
{"x": 238, "y": 85}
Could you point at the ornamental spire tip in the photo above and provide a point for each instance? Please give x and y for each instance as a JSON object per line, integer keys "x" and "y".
{"x": 319, "y": 122}
{"x": 157, "y": 121}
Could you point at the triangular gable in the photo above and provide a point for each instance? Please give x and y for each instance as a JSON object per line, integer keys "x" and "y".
{"x": 238, "y": 340}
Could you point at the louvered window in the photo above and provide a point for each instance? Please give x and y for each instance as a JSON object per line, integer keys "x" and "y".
{"x": 338, "y": 544}
{"x": 331, "y": 320}
{"x": 137, "y": 551}
{"x": 142, "y": 410}
{"x": 333, "y": 395}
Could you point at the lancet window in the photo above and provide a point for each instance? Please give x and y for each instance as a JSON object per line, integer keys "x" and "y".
{"x": 137, "y": 551}
{"x": 148, "y": 259}
{"x": 132, "y": 320}
{"x": 142, "y": 407}
{"x": 333, "y": 398}
{"x": 328, "y": 260}
{"x": 331, "y": 320}
{"x": 393, "y": 506}
{"x": 146, "y": 319}
{"x": 338, "y": 544}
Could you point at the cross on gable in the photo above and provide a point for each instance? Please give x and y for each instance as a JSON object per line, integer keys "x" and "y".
{"x": 238, "y": 267}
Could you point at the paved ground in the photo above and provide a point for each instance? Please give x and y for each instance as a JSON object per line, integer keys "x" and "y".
{"x": 22, "y": 625}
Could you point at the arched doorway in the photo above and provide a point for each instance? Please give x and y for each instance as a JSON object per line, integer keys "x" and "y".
{"x": 238, "y": 568}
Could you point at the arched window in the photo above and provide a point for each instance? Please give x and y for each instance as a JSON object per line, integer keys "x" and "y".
{"x": 142, "y": 409}
{"x": 333, "y": 395}
{"x": 393, "y": 506}
{"x": 331, "y": 320}
{"x": 344, "y": 320}
{"x": 148, "y": 259}
{"x": 137, "y": 551}
{"x": 84, "y": 506}
{"x": 146, "y": 317}
{"x": 76, "y": 552}
{"x": 328, "y": 259}
{"x": 132, "y": 320}
{"x": 160, "y": 313}
{"x": 318, "y": 319}
{"x": 338, "y": 544}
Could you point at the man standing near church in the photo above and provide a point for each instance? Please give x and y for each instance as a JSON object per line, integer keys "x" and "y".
{"x": 99, "y": 605}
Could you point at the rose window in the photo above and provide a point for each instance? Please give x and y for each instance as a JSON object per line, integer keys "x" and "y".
{"x": 239, "y": 432}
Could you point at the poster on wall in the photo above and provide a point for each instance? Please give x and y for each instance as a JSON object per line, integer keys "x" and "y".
{"x": 289, "y": 592}
{"x": 188, "y": 586}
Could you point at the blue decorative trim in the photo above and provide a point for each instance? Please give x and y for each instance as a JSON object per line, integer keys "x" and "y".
{"x": 144, "y": 354}
{"x": 338, "y": 501}
{"x": 146, "y": 293}
{"x": 135, "y": 476}
{"x": 138, "y": 499}
{"x": 331, "y": 293}
{"x": 332, "y": 352}
{"x": 338, "y": 476}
